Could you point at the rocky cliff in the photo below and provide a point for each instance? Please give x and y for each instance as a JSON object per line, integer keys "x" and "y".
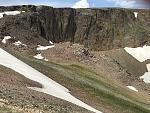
{"x": 97, "y": 29}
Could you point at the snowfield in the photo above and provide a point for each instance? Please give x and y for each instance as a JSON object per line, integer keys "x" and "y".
{"x": 148, "y": 67}
{"x": 146, "y": 76}
{"x": 141, "y": 54}
{"x": 132, "y": 88}
{"x": 10, "y": 13}
{"x": 48, "y": 85}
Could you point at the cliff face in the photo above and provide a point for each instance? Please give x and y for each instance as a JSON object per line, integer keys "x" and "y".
{"x": 98, "y": 29}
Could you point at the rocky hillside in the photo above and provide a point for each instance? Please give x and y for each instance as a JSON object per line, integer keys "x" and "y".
{"x": 98, "y": 29}
{"x": 81, "y": 49}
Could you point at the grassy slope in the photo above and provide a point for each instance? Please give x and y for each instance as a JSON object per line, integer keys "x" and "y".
{"x": 106, "y": 94}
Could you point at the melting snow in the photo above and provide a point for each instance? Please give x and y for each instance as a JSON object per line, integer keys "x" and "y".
{"x": 45, "y": 59}
{"x": 6, "y": 38}
{"x": 135, "y": 14}
{"x": 17, "y": 43}
{"x": 51, "y": 42}
{"x": 140, "y": 53}
{"x": 148, "y": 67}
{"x": 49, "y": 86}
{"x": 38, "y": 56}
{"x": 10, "y": 13}
{"x": 132, "y": 88}
{"x": 40, "y": 48}
{"x": 146, "y": 76}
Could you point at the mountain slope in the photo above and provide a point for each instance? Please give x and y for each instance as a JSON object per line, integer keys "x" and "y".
{"x": 97, "y": 29}
{"x": 77, "y": 49}
{"x": 102, "y": 94}
{"x": 48, "y": 85}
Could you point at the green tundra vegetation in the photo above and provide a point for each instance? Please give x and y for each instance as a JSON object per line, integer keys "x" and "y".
{"x": 74, "y": 76}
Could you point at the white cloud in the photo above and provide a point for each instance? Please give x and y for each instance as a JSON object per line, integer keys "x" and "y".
{"x": 81, "y": 4}
{"x": 124, "y": 3}
{"x": 93, "y": 5}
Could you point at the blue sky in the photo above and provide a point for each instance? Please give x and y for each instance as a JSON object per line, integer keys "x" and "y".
{"x": 71, "y": 3}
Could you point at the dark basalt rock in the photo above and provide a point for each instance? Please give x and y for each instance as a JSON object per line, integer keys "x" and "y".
{"x": 97, "y": 29}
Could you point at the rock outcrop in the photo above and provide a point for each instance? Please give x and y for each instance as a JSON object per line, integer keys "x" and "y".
{"x": 97, "y": 29}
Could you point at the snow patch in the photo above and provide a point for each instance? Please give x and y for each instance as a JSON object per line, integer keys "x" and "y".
{"x": 148, "y": 67}
{"x": 38, "y": 56}
{"x": 48, "y": 85}
{"x": 5, "y": 39}
{"x": 135, "y": 14}
{"x": 51, "y": 42}
{"x": 40, "y": 48}
{"x": 132, "y": 88}
{"x": 146, "y": 76}
{"x": 140, "y": 53}
{"x": 45, "y": 59}
{"x": 17, "y": 43}
{"x": 10, "y": 13}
